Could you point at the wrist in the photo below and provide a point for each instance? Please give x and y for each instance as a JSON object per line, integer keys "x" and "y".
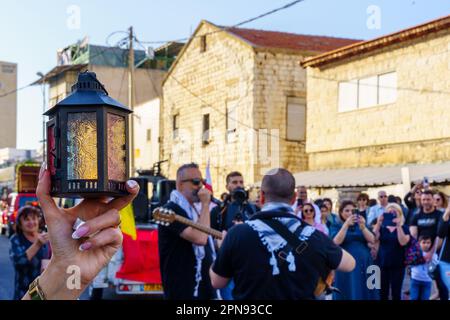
{"x": 56, "y": 285}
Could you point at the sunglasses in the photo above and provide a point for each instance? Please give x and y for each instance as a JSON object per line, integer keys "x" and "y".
{"x": 195, "y": 181}
{"x": 308, "y": 210}
{"x": 382, "y": 196}
{"x": 362, "y": 200}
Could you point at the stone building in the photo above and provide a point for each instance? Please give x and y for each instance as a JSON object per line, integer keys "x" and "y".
{"x": 8, "y": 104}
{"x": 236, "y": 97}
{"x": 378, "y": 106}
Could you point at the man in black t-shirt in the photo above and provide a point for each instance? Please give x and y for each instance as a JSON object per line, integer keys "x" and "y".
{"x": 251, "y": 252}
{"x": 186, "y": 253}
{"x": 426, "y": 221}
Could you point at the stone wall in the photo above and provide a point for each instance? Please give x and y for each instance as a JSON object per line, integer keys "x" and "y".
{"x": 278, "y": 76}
{"x": 207, "y": 83}
{"x": 231, "y": 72}
{"x": 413, "y": 129}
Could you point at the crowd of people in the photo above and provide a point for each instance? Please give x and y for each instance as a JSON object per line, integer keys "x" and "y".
{"x": 381, "y": 233}
{"x": 284, "y": 246}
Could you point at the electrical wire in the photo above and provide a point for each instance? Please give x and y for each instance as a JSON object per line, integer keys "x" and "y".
{"x": 286, "y": 6}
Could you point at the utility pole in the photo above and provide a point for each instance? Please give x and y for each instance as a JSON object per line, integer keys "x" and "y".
{"x": 131, "y": 96}
{"x": 40, "y": 74}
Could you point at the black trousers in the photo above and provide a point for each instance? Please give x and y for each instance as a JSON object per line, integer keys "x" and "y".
{"x": 392, "y": 280}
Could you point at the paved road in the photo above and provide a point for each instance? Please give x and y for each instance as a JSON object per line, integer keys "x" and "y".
{"x": 6, "y": 271}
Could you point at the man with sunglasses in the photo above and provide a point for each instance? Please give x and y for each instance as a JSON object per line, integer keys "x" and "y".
{"x": 186, "y": 253}
{"x": 378, "y": 209}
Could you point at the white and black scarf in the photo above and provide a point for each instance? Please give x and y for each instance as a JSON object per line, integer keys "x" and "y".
{"x": 273, "y": 241}
{"x": 199, "y": 251}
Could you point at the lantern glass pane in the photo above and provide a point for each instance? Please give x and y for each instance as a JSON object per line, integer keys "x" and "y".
{"x": 116, "y": 147}
{"x": 51, "y": 149}
{"x": 82, "y": 146}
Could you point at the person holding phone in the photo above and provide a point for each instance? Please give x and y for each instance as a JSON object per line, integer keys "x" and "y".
{"x": 393, "y": 236}
{"x": 353, "y": 236}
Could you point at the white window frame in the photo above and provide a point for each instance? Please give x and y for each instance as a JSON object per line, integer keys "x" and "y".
{"x": 356, "y": 102}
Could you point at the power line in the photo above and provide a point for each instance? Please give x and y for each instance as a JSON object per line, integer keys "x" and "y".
{"x": 423, "y": 90}
{"x": 222, "y": 113}
{"x": 14, "y": 91}
{"x": 94, "y": 56}
{"x": 290, "y": 4}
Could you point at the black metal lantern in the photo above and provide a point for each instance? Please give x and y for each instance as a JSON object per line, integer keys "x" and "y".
{"x": 87, "y": 142}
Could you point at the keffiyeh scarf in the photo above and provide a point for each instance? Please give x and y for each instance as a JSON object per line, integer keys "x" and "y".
{"x": 273, "y": 241}
{"x": 199, "y": 251}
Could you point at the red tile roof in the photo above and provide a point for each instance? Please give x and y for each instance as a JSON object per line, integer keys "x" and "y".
{"x": 369, "y": 46}
{"x": 290, "y": 41}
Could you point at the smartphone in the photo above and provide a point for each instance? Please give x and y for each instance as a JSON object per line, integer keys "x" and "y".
{"x": 388, "y": 220}
{"x": 299, "y": 202}
{"x": 425, "y": 182}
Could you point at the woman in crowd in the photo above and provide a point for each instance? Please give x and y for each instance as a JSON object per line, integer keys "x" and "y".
{"x": 353, "y": 236}
{"x": 440, "y": 201}
{"x": 28, "y": 249}
{"x": 308, "y": 215}
{"x": 362, "y": 203}
{"x": 393, "y": 238}
{"x": 332, "y": 217}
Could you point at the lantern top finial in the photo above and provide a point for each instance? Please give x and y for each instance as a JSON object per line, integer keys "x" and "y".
{"x": 88, "y": 81}
{"x": 88, "y": 91}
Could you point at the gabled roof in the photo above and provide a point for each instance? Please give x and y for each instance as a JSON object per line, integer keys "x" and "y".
{"x": 378, "y": 43}
{"x": 290, "y": 41}
{"x": 269, "y": 40}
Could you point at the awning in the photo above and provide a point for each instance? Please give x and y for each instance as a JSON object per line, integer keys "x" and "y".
{"x": 372, "y": 176}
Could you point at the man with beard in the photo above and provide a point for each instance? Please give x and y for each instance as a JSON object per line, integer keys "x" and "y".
{"x": 186, "y": 253}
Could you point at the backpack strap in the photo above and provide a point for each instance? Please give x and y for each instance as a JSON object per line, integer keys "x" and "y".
{"x": 297, "y": 246}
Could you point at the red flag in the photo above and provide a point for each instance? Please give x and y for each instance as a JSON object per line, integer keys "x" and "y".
{"x": 141, "y": 258}
{"x": 208, "y": 183}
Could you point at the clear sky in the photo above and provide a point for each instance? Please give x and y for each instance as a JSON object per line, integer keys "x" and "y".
{"x": 32, "y": 31}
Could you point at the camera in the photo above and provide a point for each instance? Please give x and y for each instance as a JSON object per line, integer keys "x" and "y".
{"x": 239, "y": 195}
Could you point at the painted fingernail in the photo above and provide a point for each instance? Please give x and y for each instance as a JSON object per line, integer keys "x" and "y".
{"x": 41, "y": 172}
{"x": 85, "y": 246}
{"x": 132, "y": 184}
{"x": 80, "y": 232}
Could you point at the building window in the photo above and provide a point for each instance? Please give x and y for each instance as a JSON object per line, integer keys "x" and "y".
{"x": 205, "y": 131}
{"x": 149, "y": 135}
{"x": 175, "y": 125}
{"x": 387, "y": 84}
{"x": 296, "y": 119}
{"x": 202, "y": 43}
{"x": 367, "y": 92}
{"x": 231, "y": 121}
